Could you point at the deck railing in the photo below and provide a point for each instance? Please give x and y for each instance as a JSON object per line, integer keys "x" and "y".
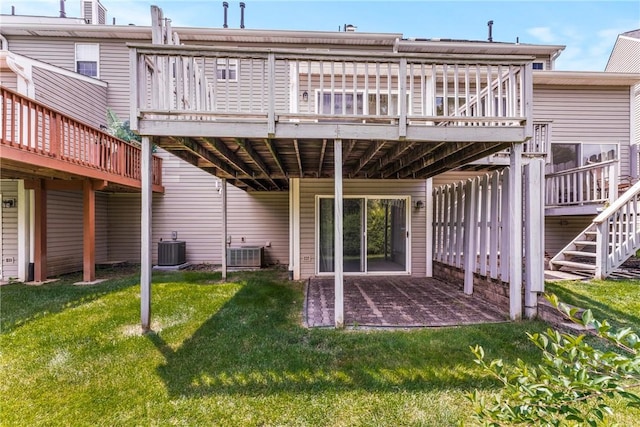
{"x": 596, "y": 183}
{"x": 205, "y": 83}
{"x": 32, "y": 127}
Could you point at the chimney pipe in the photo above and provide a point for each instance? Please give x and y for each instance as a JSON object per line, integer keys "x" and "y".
{"x": 241, "y": 14}
{"x": 490, "y": 25}
{"x": 225, "y": 5}
{"x": 63, "y": 14}
{"x": 13, "y": 10}
{"x": 114, "y": 20}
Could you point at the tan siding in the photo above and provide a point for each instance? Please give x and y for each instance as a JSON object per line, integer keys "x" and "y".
{"x": 309, "y": 188}
{"x": 455, "y": 176}
{"x": 124, "y": 227}
{"x": 87, "y": 103}
{"x": 64, "y": 232}
{"x": 586, "y": 114}
{"x": 560, "y": 230}
{"x": 102, "y": 231}
{"x": 9, "y": 237}
{"x": 8, "y": 79}
{"x": 624, "y": 57}
{"x": 260, "y": 218}
{"x": 52, "y": 50}
{"x": 114, "y": 69}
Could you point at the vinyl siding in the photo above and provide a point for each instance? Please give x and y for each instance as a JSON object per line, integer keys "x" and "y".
{"x": 9, "y": 241}
{"x": 52, "y": 50}
{"x": 87, "y": 103}
{"x": 65, "y": 234}
{"x": 192, "y": 206}
{"x": 8, "y": 79}
{"x": 624, "y": 57}
{"x": 560, "y": 230}
{"x": 586, "y": 114}
{"x": 309, "y": 188}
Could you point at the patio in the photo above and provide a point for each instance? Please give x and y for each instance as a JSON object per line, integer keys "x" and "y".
{"x": 396, "y": 301}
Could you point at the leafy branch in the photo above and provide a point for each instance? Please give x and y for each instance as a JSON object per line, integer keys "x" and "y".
{"x": 572, "y": 383}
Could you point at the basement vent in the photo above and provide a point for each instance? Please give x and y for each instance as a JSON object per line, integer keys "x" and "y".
{"x": 172, "y": 252}
{"x": 248, "y": 256}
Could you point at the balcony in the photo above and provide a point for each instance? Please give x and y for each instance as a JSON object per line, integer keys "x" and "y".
{"x": 39, "y": 142}
{"x": 259, "y": 116}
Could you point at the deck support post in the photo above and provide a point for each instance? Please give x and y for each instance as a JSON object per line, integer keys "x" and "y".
{"x": 534, "y": 236}
{"x": 24, "y": 230}
{"x": 40, "y": 255}
{"x": 294, "y": 228}
{"x": 88, "y": 231}
{"x": 223, "y": 194}
{"x": 338, "y": 235}
{"x": 429, "y": 219}
{"x": 470, "y": 231}
{"x": 515, "y": 236}
{"x": 146, "y": 235}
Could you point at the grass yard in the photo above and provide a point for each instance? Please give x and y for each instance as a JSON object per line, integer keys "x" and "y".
{"x": 233, "y": 354}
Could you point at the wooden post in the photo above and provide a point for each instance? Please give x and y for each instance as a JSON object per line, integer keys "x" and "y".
{"x": 146, "y": 236}
{"x": 338, "y": 250}
{"x": 40, "y": 255}
{"x": 430, "y": 226}
{"x": 223, "y": 193}
{"x": 534, "y": 236}
{"x": 470, "y": 231}
{"x": 515, "y": 235}
{"x": 89, "y": 231}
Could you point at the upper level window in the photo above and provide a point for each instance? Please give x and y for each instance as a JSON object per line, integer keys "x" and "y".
{"x": 227, "y": 69}
{"x": 572, "y": 155}
{"x": 538, "y": 65}
{"x": 87, "y": 58}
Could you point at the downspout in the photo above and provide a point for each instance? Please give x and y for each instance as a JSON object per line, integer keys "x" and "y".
{"x": 28, "y": 88}
{"x": 4, "y": 43}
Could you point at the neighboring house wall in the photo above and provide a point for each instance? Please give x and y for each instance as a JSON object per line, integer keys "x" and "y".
{"x": 8, "y": 79}
{"x": 560, "y": 230}
{"x": 65, "y": 233}
{"x": 9, "y": 238}
{"x": 86, "y": 103}
{"x": 309, "y": 188}
{"x": 586, "y": 114}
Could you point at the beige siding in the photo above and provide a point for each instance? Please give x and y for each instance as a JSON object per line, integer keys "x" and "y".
{"x": 52, "y": 50}
{"x": 309, "y": 188}
{"x": 260, "y": 218}
{"x": 87, "y": 103}
{"x": 124, "y": 227}
{"x": 65, "y": 234}
{"x": 8, "y": 79}
{"x": 624, "y": 57}
{"x": 586, "y": 114}
{"x": 560, "y": 230}
{"x": 9, "y": 236}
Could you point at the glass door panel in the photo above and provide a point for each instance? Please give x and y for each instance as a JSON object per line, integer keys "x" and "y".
{"x": 353, "y": 236}
{"x": 386, "y": 235}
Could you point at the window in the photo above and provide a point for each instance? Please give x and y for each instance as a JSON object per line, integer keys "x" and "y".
{"x": 451, "y": 105}
{"x": 227, "y": 69}
{"x": 569, "y": 156}
{"x": 381, "y": 104}
{"x": 538, "y": 65}
{"x": 87, "y": 57}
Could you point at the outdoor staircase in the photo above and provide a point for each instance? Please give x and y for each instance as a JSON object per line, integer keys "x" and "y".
{"x": 611, "y": 239}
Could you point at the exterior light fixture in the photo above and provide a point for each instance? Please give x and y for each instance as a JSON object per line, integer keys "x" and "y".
{"x": 419, "y": 204}
{"x": 305, "y": 96}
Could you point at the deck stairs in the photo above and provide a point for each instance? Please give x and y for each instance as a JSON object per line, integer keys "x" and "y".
{"x": 610, "y": 240}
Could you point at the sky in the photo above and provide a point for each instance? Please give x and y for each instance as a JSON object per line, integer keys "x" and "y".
{"x": 587, "y": 28}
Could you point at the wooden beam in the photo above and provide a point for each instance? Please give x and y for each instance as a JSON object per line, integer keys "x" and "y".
{"x": 276, "y": 157}
{"x": 367, "y": 156}
{"x": 256, "y": 159}
{"x": 88, "y": 232}
{"x": 409, "y": 158}
{"x": 398, "y": 149}
{"x": 466, "y": 155}
{"x": 40, "y": 256}
{"x": 515, "y": 236}
{"x": 197, "y": 149}
{"x": 322, "y": 151}
{"x": 347, "y": 152}
{"x": 534, "y": 235}
{"x": 223, "y": 194}
{"x": 231, "y": 158}
{"x": 298, "y": 157}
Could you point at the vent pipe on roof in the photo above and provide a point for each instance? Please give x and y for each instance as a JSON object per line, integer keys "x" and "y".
{"x": 63, "y": 14}
{"x": 241, "y": 14}
{"x": 13, "y": 10}
{"x": 490, "y": 25}
{"x": 225, "y": 6}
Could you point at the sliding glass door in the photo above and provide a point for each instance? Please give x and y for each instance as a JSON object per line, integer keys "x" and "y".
{"x": 375, "y": 235}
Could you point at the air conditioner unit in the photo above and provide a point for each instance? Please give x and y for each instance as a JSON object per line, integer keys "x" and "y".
{"x": 248, "y": 256}
{"x": 172, "y": 252}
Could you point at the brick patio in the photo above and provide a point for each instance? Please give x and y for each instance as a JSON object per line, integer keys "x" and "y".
{"x": 396, "y": 301}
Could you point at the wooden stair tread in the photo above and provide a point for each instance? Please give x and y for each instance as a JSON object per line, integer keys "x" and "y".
{"x": 575, "y": 265}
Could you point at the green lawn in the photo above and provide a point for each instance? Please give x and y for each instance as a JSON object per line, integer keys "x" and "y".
{"x": 229, "y": 354}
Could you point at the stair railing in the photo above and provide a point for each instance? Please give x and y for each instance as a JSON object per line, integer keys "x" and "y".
{"x": 617, "y": 232}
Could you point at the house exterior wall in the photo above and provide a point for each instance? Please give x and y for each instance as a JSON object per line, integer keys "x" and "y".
{"x": 586, "y": 114}
{"x": 191, "y": 205}
{"x": 560, "y": 230}
{"x": 8, "y": 79}
{"x": 65, "y": 233}
{"x": 9, "y": 237}
{"x": 87, "y": 103}
{"x": 309, "y": 188}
